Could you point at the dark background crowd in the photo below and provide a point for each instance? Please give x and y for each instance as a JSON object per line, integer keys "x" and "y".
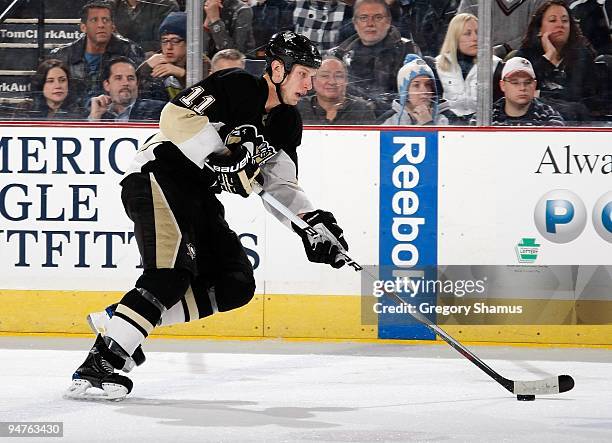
{"x": 392, "y": 62}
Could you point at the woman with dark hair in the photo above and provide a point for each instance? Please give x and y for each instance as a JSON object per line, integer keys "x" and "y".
{"x": 50, "y": 94}
{"x": 562, "y": 58}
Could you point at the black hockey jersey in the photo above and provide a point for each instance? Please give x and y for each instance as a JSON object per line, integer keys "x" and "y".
{"x": 196, "y": 122}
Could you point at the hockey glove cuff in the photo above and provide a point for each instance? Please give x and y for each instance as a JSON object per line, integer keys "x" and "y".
{"x": 235, "y": 172}
{"x": 326, "y": 246}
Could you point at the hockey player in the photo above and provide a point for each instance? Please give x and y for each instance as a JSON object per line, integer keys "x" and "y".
{"x": 220, "y": 134}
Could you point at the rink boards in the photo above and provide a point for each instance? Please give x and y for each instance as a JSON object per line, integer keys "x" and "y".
{"x": 404, "y": 199}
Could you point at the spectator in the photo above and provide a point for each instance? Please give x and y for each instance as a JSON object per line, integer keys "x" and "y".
{"x": 519, "y": 107}
{"x": 375, "y": 54}
{"x": 139, "y": 20}
{"x": 562, "y": 60}
{"x": 427, "y": 21}
{"x": 319, "y": 20}
{"x": 268, "y": 17}
{"x": 595, "y": 18}
{"x": 87, "y": 56}
{"x": 51, "y": 96}
{"x": 163, "y": 75}
{"x": 419, "y": 102}
{"x": 227, "y": 58}
{"x": 456, "y": 67}
{"x": 121, "y": 102}
{"x": 228, "y": 24}
{"x": 508, "y": 23}
{"x": 331, "y": 105}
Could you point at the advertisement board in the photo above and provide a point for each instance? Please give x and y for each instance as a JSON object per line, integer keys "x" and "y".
{"x": 543, "y": 198}
{"x": 404, "y": 198}
{"x": 63, "y": 227}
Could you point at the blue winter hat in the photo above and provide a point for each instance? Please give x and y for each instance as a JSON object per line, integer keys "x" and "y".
{"x": 174, "y": 23}
{"x": 414, "y": 66}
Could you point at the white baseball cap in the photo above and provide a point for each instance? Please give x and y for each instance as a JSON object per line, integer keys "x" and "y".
{"x": 518, "y": 64}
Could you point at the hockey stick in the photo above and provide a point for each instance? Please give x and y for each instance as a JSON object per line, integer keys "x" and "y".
{"x": 524, "y": 389}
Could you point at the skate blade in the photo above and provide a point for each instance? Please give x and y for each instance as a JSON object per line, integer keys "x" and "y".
{"x": 97, "y": 322}
{"x": 83, "y": 390}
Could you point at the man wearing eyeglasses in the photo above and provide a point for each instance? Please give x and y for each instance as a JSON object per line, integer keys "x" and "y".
{"x": 375, "y": 54}
{"x": 519, "y": 106}
{"x": 331, "y": 105}
{"x": 163, "y": 75}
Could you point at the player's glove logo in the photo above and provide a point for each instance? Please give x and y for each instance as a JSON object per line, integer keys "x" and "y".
{"x": 247, "y": 136}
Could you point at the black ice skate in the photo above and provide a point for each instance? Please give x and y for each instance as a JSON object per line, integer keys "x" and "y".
{"x": 98, "y": 322}
{"x": 98, "y": 371}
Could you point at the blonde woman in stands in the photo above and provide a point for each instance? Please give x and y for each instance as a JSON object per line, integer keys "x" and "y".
{"x": 51, "y": 98}
{"x": 457, "y": 67}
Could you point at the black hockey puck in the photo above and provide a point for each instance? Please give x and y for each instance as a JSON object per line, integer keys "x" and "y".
{"x": 525, "y": 397}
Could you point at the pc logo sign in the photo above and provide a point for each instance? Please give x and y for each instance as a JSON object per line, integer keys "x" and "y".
{"x": 561, "y": 216}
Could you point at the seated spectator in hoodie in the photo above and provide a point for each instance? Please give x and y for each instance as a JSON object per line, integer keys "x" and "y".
{"x": 374, "y": 54}
{"x": 139, "y": 20}
{"x": 228, "y": 24}
{"x": 121, "y": 102}
{"x": 595, "y": 18}
{"x": 227, "y": 58}
{"x": 427, "y": 22}
{"x": 163, "y": 75}
{"x": 331, "y": 105}
{"x": 519, "y": 106}
{"x": 418, "y": 102}
{"x": 269, "y": 16}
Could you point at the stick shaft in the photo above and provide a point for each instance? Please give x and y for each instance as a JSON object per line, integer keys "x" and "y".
{"x": 285, "y": 211}
{"x": 419, "y": 317}
{"x": 551, "y": 385}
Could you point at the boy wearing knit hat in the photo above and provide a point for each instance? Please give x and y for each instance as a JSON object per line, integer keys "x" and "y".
{"x": 418, "y": 102}
{"x": 163, "y": 75}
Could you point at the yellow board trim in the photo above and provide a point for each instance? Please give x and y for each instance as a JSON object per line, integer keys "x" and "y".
{"x": 266, "y": 316}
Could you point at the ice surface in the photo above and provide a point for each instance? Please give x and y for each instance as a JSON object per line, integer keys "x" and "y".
{"x": 195, "y": 390}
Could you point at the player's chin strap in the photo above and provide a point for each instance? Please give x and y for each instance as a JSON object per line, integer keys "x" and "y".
{"x": 278, "y": 85}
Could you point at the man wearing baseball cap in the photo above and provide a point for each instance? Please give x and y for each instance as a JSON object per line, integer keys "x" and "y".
{"x": 519, "y": 106}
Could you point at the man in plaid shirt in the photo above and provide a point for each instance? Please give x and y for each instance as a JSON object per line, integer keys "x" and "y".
{"x": 320, "y": 20}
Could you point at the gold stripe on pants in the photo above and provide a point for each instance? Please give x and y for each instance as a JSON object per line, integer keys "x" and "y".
{"x": 167, "y": 233}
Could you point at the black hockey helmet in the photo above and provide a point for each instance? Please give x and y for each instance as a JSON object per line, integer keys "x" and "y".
{"x": 291, "y": 48}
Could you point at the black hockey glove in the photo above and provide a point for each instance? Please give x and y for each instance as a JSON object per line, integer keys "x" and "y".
{"x": 323, "y": 248}
{"x": 235, "y": 172}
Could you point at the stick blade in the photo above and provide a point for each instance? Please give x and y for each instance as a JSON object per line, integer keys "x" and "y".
{"x": 566, "y": 383}
{"x": 551, "y": 385}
